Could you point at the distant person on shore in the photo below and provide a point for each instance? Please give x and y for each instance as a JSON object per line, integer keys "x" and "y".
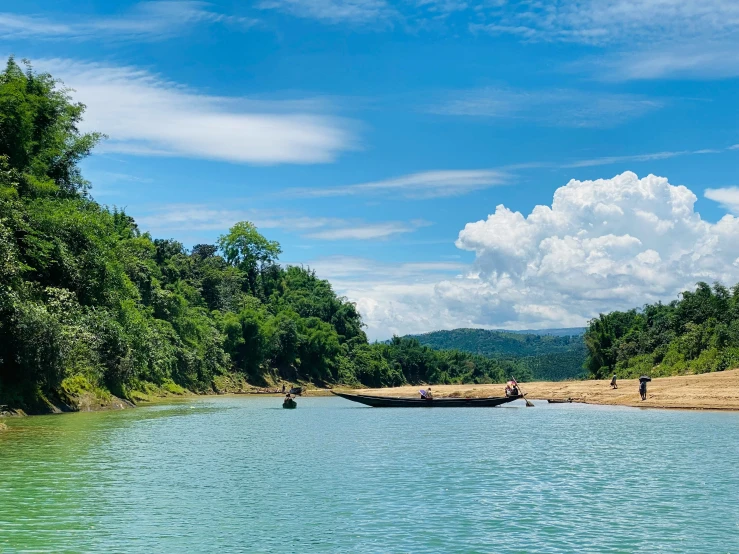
{"x": 283, "y": 388}
{"x": 643, "y": 389}
{"x": 613, "y": 382}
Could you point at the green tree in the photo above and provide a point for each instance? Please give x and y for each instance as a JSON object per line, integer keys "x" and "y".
{"x": 39, "y": 132}
{"x": 244, "y": 247}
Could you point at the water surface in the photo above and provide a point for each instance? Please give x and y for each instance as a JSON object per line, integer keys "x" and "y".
{"x": 239, "y": 474}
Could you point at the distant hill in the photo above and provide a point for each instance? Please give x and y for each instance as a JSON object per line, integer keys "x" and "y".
{"x": 551, "y": 354}
{"x": 564, "y": 332}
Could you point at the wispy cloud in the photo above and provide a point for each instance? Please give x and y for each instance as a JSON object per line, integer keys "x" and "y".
{"x": 560, "y": 107}
{"x": 648, "y": 39}
{"x": 191, "y": 218}
{"x": 446, "y": 183}
{"x": 143, "y": 114}
{"x": 728, "y": 197}
{"x": 609, "y": 160}
{"x": 367, "y": 231}
{"x": 354, "y": 268}
{"x": 443, "y": 6}
{"x": 612, "y": 21}
{"x": 145, "y": 21}
{"x": 703, "y": 60}
{"x": 334, "y": 11}
{"x": 426, "y": 184}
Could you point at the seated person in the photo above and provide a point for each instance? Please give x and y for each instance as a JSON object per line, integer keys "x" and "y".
{"x": 429, "y": 396}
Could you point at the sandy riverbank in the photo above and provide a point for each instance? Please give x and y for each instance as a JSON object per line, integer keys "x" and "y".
{"x": 710, "y": 391}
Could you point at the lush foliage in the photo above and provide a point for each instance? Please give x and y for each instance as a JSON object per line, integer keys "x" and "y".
{"x": 696, "y": 334}
{"x": 545, "y": 356}
{"x": 89, "y": 302}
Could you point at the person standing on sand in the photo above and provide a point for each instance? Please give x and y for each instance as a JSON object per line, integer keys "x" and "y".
{"x": 643, "y": 389}
{"x": 613, "y": 382}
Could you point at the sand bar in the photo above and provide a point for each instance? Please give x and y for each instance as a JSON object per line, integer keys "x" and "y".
{"x": 710, "y": 391}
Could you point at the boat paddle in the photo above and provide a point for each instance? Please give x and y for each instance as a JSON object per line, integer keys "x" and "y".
{"x": 523, "y": 395}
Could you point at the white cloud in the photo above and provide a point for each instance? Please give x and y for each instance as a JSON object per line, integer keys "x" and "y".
{"x": 198, "y": 218}
{"x": 728, "y": 197}
{"x": 704, "y": 59}
{"x": 602, "y": 245}
{"x": 367, "y": 231}
{"x": 145, "y": 115}
{"x": 426, "y": 184}
{"x": 334, "y": 11}
{"x": 393, "y": 298}
{"x": 443, "y": 6}
{"x": 145, "y": 21}
{"x": 614, "y": 21}
{"x": 562, "y": 107}
{"x": 653, "y": 38}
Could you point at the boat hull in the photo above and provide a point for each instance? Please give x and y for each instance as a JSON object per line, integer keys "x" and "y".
{"x": 395, "y": 402}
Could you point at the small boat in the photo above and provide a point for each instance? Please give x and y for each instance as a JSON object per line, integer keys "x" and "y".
{"x": 559, "y": 401}
{"x": 396, "y": 402}
{"x": 296, "y": 390}
{"x": 289, "y": 404}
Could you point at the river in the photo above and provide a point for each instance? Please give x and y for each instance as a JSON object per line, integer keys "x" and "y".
{"x": 240, "y": 474}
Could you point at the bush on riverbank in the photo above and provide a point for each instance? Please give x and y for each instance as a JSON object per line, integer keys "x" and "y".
{"x": 90, "y": 303}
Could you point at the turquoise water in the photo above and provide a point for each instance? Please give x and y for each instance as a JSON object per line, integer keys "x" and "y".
{"x": 237, "y": 474}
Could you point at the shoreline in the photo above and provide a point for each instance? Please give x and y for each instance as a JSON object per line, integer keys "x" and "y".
{"x": 708, "y": 391}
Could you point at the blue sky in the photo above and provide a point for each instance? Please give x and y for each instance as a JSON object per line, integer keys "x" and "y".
{"x": 374, "y": 139}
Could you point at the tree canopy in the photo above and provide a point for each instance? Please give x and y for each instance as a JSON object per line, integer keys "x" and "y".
{"x": 697, "y": 333}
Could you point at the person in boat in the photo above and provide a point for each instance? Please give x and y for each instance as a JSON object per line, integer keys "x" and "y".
{"x": 429, "y": 396}
{"x": 511, "y": 388}
{"x": 613, "y": 382}
{"x": 643, "y": 389}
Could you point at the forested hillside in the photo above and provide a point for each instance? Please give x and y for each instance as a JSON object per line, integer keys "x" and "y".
{"x": 697, "y": 333}
{"x": 548, "y": 357}
{"x": 89, "y": 302}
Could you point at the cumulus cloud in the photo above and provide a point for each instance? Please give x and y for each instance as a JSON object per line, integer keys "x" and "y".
{"x": 143, "y": 114}
{"x": 601, "y": 245}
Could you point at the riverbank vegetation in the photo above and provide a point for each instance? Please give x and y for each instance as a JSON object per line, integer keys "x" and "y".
{"x": 697, "y": 333}
{"x": 90, "y": 302}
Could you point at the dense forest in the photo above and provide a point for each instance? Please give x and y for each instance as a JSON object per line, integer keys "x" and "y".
{"x": 89, "y": 302}
{"x": 549, "y": 357}
{"x": 697, "y": 333}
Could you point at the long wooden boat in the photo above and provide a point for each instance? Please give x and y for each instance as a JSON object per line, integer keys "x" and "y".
{"x": 406, "y": 402}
